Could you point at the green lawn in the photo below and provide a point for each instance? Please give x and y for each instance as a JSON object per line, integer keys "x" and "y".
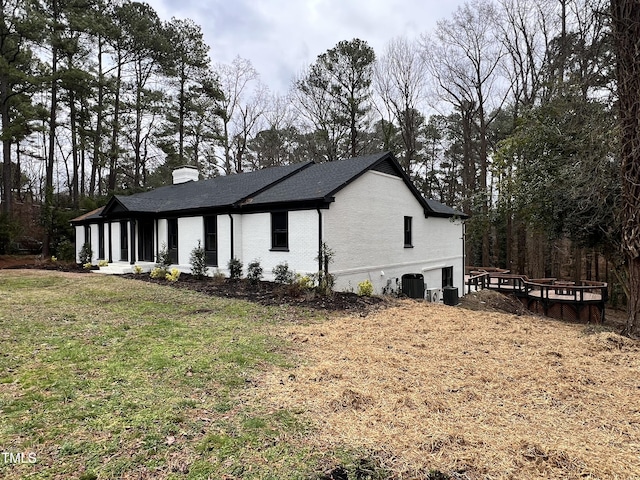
{"x": 104, "y": 377}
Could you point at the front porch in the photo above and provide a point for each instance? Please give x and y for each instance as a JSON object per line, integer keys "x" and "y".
{"x": 120, "y": 268}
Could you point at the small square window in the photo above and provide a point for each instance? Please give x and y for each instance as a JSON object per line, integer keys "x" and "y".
{"x": 408, "y": 240}
{"x": 279, "y": 231}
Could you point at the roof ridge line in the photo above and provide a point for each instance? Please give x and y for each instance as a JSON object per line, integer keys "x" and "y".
{"x": 303, "y": 166}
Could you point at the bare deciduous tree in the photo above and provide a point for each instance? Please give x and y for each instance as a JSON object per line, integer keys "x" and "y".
{"x": 235, "y": 80}
{"x": 464, "y": 57}
{"x": 399, "y": 77}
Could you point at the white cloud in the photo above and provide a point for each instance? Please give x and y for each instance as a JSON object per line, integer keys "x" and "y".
{"x": 281, "y": 37}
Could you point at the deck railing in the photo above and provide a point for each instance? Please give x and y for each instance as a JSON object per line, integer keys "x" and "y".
{"x": 545, "y": 291}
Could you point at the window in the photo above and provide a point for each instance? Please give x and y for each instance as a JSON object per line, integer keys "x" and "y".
{"x": 279, "y": 231}
{"x": 408, "y": 241}
{"x": 87, "y": 235}
{"x": 172, "y": 239}
{"x": 447, "y": 277}
{"x": 211, "y": 241}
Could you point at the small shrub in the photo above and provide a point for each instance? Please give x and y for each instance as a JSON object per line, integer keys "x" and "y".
{"x": 305, "y": 282}
{"x": 86, "y": 254}
{"x": 235, "y": 269}
{"x": 173, "y": 276}
{"x": 103, "y": 263}
{"x": 282, "y": 274}
{"x": 158, "y": 272}
{"x": 137, "y": 269}
{"x": 65, "y": 251}
{"x": 163, "y": 259}
{"x": 365, "y": 288}
{"x": 325, "y": 280}
{"x": 54, "y": 259}
{"x": 87, "y": 266}
{"x": 254, "y": 272}
{"x": 300, "y": 285}
{"x": 198, "y": 262}
{"x": 218, "y": 277}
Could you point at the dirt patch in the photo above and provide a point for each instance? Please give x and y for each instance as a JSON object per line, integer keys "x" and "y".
{"x": 488, "y": 300}
{"x": 473, "y": 394}
{"x": 30, "y": 262}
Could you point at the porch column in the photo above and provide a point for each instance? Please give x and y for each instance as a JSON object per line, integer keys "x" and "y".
{"x": 110, "y": 259}
{"x": 132, "y": 249}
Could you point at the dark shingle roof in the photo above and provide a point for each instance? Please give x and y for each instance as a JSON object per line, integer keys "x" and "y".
{"x": 441, "y": 208}
{"x": 318, "y": 182}
{"x": 215, "y": 192}
{"x": 92, "y": 215}
{"x": 298, "y": 185}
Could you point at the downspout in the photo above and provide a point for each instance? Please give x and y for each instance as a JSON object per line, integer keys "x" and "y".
{"x": 319, "y": 240}
{"x": 231, "y": 224}
{"x": 464, "y": 261}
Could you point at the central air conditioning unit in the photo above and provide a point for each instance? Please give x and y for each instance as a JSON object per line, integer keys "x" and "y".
{"x": 433, "y": 295}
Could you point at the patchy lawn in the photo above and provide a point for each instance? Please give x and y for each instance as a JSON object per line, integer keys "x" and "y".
{"x": 102, "y": 376}
{"x": 105, "y": 377}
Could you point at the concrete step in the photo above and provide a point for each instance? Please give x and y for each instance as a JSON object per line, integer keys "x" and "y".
{"x": 120, "y": 268}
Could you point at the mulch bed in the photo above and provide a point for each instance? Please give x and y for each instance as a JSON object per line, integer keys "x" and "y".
{"x": 270, "y": 293}
{"x": 428, "y": 388}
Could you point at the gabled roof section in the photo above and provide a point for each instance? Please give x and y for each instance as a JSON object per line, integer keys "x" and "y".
{"x": 89, "y": 216}
{"x": 320, "y": 182}
{"x": 216, "y": 192}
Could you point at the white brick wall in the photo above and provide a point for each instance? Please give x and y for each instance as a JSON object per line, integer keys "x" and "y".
{"x": 364, "y": 226}
{"x": 79, "y": 241}
{"x": 303, "y": 242}
{"x": 369, "y": 241}
{"x": 190, "y": 230}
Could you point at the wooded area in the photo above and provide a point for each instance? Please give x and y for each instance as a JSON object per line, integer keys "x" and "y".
{"x": 508, "y": 111}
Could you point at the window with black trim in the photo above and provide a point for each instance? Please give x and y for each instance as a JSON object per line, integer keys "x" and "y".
{"x": 408, "y": 234}
{"x": 211, "y": 240}
{"x": 172, "y": 239}
{"x": 447, "y": 277}
{"x": 87, "y": 235}
{"x": 279, "y": 231}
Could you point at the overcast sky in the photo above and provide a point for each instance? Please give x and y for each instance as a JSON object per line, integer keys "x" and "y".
{"x": 281, "y": 37}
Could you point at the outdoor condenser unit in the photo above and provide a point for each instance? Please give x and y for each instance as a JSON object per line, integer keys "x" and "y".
{"x": 433, "y": 295}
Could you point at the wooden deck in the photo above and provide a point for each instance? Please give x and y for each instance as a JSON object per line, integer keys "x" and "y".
{"x": 584, "y": 300}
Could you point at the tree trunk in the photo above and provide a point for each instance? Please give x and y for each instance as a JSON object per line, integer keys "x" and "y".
{"x": 626, "y": 32}
{"x": 97, "y": 142}
{"x": 6, "y": 154}
{"x": 74, "y": 151}
{"x": 114, "y": 151}
{"x": 48, "y": 187}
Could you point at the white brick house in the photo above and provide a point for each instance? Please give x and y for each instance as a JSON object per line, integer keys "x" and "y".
{"x": 365, "y": 209}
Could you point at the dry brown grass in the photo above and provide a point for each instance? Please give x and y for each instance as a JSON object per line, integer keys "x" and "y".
{"x": 469, "y": 393}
